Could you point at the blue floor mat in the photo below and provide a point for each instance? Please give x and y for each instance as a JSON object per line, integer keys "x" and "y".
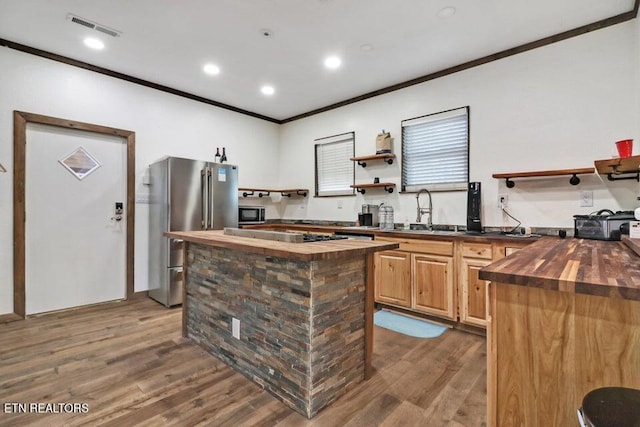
{"x": 407, "y": 325}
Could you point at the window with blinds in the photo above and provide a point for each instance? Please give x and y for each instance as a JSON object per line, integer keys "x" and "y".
{"x": 335, "y": 172}
{"x": 435, "y": 151}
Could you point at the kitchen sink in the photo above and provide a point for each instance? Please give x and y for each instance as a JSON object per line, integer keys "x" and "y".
{"x": 432, "y": 232}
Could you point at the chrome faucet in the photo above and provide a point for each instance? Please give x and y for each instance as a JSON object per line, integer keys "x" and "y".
{"x": 422, "y": 211}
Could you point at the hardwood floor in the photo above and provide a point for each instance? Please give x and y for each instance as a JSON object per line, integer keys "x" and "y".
{"x": 128, "y": 362}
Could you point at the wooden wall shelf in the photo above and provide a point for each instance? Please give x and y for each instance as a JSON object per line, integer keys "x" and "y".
{"x": 387, "y": 157}
{"x": 560, "y": 172}
{"x": 614, "y": 168}
{"x": 388, "y": 187}
{"x": 267, "y": 192}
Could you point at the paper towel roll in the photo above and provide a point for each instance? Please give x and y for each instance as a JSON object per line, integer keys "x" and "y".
{"x": 637, "y": 214}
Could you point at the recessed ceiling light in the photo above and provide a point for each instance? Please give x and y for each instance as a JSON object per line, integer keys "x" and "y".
{"x": 211, "y": 69}
{"x": 267, "y": 90}
{"x": 332, "y": 62}
{"x": 447, "y": 12}
{"x": 93, "y": 43}
{"x": 366, "y": 47}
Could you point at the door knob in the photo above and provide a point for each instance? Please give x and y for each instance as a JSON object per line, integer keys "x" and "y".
{"x": 119, "y": 208}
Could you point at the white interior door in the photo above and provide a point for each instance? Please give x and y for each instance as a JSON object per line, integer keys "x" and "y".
{"x": 75, "y": 252}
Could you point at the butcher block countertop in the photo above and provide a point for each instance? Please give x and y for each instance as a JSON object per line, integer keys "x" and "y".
{"x": 591, "y": 267}
{"x": 312, "y": 251}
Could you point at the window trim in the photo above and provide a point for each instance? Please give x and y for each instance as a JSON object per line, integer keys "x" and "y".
{"x": 315, "y": 162}
{"x": 403, "y": 188}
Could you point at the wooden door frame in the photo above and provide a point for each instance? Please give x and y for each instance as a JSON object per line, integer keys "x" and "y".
{"x": 20, "y": 121}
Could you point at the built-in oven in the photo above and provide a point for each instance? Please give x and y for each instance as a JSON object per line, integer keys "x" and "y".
{"x": 251, "y": 215}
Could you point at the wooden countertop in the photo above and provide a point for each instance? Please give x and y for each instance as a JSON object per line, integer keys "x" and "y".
{"x": 313, "y": 251}
{"x": 375, "y": 231}
{"x": 591, "y": 267}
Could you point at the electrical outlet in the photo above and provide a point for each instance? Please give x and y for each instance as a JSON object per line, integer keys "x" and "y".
{"x": 586, "y": 198}
{"x": 503, "y": 200}
{"x": 235, "y": 328}
{"x": 339, "y": 204}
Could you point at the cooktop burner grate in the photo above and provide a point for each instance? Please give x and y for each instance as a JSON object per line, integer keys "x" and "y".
{"x": 308, "y": 237}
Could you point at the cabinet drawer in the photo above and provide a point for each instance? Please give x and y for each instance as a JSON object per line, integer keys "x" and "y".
{"x": 508, "y": 250}
{"x": 436, "y": 247}
{"x": 477, "y": 250}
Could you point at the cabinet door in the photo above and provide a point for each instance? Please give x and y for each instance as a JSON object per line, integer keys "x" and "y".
{"x": 473, "y": 293}
{"x": 433, "y": 285}
{"x": 393, "y": 278}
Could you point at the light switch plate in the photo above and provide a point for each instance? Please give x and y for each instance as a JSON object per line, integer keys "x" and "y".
{"x": 235, "y": 328}
{"x": 586, "y": 198}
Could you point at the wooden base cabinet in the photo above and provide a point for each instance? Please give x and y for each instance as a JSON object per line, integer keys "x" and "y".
{"x": 433, "y": 285}
{"x": 473, "y": 293}
{"x": 420, "y": 276}
{"x": 439, "y": 277}
{"x": 547, "y": 349}
{"x": 392, "y": 271}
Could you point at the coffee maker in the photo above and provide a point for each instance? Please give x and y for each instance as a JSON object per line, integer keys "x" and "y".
{"x": 369, "y": 216}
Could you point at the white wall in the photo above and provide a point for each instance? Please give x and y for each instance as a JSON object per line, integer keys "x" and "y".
{"x": 561, "y": 106}
{"x": 164, "y": 125}
{"x": 557, "y": 107}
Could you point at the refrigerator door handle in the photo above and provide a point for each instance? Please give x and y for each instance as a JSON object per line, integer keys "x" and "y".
{"x": 204, "y": 185}
{"x": 210, "y": 197}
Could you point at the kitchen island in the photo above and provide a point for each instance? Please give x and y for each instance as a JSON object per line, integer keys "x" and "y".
{"x": 564, "y": 319}
{"x": 296, "y": 318}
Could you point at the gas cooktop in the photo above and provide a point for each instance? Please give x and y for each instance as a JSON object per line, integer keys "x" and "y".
{"x": 308, "y": 237}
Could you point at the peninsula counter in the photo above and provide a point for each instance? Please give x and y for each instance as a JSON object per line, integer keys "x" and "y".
{"x": 564, "y": 319}
{"x": 303, "y": 312}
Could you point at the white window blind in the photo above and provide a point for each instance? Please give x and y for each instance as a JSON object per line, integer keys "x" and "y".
{"x": 334, "y": 169}
{"x": 435, "y": 151}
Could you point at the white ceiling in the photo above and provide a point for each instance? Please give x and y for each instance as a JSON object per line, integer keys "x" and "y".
{"x": 168, "y": 41}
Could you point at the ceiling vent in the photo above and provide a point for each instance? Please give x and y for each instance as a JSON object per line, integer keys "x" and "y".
{"x": 93, "y": 25}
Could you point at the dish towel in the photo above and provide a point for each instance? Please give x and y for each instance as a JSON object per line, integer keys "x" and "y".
{"x": 407, "y": 325}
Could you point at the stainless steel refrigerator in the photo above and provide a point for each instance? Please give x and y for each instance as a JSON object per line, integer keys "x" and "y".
{"x": 185, "y": 195}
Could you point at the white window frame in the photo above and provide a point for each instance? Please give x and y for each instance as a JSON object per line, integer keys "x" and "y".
{"x": 442, "y": 177}
{"x": 343, "y": 171}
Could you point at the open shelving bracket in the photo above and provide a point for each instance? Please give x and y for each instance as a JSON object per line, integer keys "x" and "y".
{"x": 252, "y": 192}
{"x": 386, "y": 157}
{"x": 615, "y": 175}
{"x": 388, "y": 160}
{"x": 574, "y": 180}
{"x": 302, "y": 193}
{"x": 387, "y": 186}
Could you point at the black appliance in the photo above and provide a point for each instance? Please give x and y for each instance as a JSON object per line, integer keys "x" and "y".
{"x": 474, "y": 202}
{"x": 603, "y": 225}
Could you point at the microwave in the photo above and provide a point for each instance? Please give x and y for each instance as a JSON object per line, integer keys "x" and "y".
{"x": 251, "y": 214}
